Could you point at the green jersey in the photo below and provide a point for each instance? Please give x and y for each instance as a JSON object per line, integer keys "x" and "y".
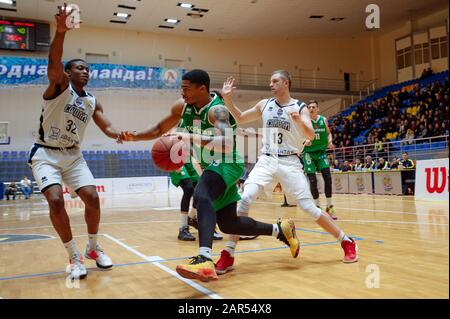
{"x": 320, "y": 142}
{"x": 197, "y": 122}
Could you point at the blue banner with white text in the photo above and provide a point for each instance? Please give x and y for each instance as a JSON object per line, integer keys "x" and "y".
{"x": 18, "y": 71}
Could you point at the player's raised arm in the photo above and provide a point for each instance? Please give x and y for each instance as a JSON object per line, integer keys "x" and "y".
{"x": 58, "y": 79}
{"x": 303, "y": 121}
{"x": 164, "y": 126}
{"x": 241, "y": 117}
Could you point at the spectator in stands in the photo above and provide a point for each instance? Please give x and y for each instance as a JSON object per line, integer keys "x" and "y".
{"x": 337, "y": 166}
{"x": 430, "y": 130}
{"x": 379, "y": 148}
{"x": 26, "y": 187}
{"x": 437, "y": 130}
{"x": 347, "y": 167}
{"x": 358, "y": 166}
{"x": 383, "y": 164}
{"x": 406, "y": 162}
{"x": 409, "y": 137}
{"x": 11, "y": 191}
{"x": 395, "y": 163}
{"x": 369, "y": 163}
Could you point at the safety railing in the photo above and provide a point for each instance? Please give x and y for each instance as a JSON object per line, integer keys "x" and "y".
{"x": 418, "y": 149}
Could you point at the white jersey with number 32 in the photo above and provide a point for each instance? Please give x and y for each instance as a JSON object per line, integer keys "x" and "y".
{"x": 64, "y": 119}
{"x": 280, "y": 133}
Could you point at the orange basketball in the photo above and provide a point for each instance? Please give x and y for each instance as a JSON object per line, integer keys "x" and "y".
{"x": 169, "y": 153}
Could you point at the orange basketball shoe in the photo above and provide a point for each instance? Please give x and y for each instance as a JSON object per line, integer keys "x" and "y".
{"x": 200, "y": 267}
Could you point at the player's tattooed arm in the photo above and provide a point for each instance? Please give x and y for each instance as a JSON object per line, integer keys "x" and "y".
{"x": 222, "y": 141}
{"x": 164, "y": 126}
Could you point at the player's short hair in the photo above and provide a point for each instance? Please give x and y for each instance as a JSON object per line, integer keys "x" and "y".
{"x": 284, "y": 74}
{"x": 69, "y": 63}
{"x": 197, "y": 76}
{"x": 313, "y": 102}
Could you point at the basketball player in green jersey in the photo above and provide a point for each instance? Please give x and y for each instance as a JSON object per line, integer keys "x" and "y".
{"x": 315, "y": 157}
{"x": 211, "y": 130}
{"x": 187, "y": 178}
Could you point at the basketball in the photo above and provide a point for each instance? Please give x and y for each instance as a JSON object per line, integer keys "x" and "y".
{"x": 168, "y": 153}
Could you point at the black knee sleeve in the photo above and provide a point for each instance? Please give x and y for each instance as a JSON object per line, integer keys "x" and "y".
{"x": 328, "y": 180}
{"x": 313, "y": 185}
{"x": 230, "y": 223}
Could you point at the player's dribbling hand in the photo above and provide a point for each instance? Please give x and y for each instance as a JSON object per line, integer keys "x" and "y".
{"x": 308, "y": 143}
{"x": 228, "y": 87}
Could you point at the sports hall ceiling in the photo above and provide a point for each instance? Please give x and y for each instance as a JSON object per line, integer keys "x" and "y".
{"x": 235, "y": 18}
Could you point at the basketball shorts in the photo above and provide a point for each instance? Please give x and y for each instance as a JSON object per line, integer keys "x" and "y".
{"x": 286, "y": 170}
{"x": 187, "y": 171}
{"x": 313, "y": 161}
{"x": 63, "y": 167}
{"x": 230, "y": 172}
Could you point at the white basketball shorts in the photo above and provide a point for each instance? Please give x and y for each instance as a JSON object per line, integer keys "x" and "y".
{"x": 66, "y": 167}
{"x": 287, "y": 170}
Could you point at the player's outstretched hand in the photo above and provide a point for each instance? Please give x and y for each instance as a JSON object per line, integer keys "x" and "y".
{"x": 228, "y": 87}
{"x": 62, "y": 18}
{"x": 331, "y": 146}
{"x": 308, "y": 142}
{"x": 127, "y": 136}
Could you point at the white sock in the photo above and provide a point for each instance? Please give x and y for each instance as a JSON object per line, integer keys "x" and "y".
{"x": 342, "y": 236}
{"x": 205, "y": 251}
{"x": 317, "y": 201}
{"x": 275, "y": 230}
{"x": 71, "y": 248}
{"x": 193, "y": 213}
{"x": 92, "y": 241}
{"x": 329, "y": 201}
{"x": 184, "y": 219}
{"x": 230, "y": 247}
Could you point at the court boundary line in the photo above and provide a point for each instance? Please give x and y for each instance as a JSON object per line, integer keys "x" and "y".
{"x": 194, "y": 285}
{"x": 158, "y": 259}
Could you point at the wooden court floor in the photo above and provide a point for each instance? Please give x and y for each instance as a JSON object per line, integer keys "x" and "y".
{"x": 403, "y": 244}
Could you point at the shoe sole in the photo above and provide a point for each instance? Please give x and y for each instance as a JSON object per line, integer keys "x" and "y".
{"x": 103, "y": 267}
{"x": 294, "y": 237}
{"x": 79, "y": 278}
{"x": 192, "y": 275}
{"x": 98, "y": 265}
{"x": 248, "y": 238}
{"x": 351, "y": 260}
{"x": 223, "y": 272}
{"x": 186, "y": 239}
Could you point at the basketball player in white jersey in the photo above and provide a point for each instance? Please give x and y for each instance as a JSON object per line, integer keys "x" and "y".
{"x": 286, "y": 126}
{"x": 55, "y": 158}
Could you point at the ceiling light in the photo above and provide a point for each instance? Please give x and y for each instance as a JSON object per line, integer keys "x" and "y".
{"x": 121, "y": 15}
{"x": 185, "y": 5}
{"x": 173, "y": 21}
{"x": 9, "y": 2}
